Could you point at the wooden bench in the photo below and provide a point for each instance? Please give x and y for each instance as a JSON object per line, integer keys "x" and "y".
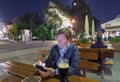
{"x": 89, "y": 44}
{"x": 21, "y": 65}
{"x": 87, "y": 62}
{"x": 85, "y": 45}
{"x": 41, "y": 55}
{"x": 76, "y": 41}
{"x": 18, "y": 71}
{"x": 102, "y": 53}
{"x": 108, "y": 53}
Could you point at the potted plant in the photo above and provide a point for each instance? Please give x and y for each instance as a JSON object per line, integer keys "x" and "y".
{"x": 84, "y": 40}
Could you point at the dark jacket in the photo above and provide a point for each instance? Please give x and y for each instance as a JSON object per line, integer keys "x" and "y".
{"x": 98, "y": 44}
{"x": 72, "y": 54}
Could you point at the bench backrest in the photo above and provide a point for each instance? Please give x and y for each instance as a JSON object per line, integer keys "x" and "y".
{"x": 42, "y": 55}
{"x": 87, "y": 61}
{"x": 108, "y": 53}
{"x": 102, "y": 53}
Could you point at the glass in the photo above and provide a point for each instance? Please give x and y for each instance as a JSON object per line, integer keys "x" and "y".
{"x": 63, "y": 69}
{"x": 32, "y": 79}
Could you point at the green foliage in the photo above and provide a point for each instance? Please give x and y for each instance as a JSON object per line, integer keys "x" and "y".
{"x": 84, "y": 40}
{"x": 13, "y": 32}
{"x": 54, "y": 14}
{"x": 52, "y": 34}
{"x": 41, "y": 32}
{"x": 27, "y": 21}
{"x": 115, "y": 39}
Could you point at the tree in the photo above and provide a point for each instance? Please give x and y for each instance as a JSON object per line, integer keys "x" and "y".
{"x": 13, "y": 32}
{"x": 27, "y": 21}
{"x": 56, "y": 14}
{"x": 41, "y": 32}
{"x": 52, "y": 34}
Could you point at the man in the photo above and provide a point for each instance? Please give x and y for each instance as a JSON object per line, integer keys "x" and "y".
{"x": 63, "y": 49}
{"x": 98, "y": 43}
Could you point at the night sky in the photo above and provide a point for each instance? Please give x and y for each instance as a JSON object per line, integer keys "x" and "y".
{"x": 104, "y": 10}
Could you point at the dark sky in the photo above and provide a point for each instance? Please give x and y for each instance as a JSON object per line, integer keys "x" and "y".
{"x": 104, "y": 10}
{"x": 13, "y": 8}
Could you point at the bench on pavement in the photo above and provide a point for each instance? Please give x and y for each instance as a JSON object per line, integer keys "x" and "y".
{"x": 87, "y": 62}
{"x": 41, "y": 55}
{"x": 102, "y": 53}
{"x": 89, "y": 44}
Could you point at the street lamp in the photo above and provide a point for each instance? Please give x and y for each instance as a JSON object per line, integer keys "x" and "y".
{"x": 73, "y": 21}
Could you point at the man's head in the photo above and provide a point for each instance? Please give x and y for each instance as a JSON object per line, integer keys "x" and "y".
{"x": 99, "y": 38}
{"x": 63, "y": 37}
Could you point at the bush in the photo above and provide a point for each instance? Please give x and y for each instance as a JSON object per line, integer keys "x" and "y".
{"x": 115, "y": 39}
{"x": 83, "y": 40}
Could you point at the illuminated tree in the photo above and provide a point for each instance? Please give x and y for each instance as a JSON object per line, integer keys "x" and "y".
{"x": 41, "y": 32}
{"x": 13, "y": 32}
{"x": 56, "y": 14}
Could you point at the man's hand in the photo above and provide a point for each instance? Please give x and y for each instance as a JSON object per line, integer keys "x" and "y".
{"x": 50, "y": 72}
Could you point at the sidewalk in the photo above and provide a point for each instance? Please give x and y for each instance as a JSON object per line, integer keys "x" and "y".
{"x": 11, "y": 50}
{"x": 26, "y": 55}
{"x": 10, "y": 46}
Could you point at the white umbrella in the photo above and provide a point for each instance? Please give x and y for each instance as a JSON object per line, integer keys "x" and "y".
{"x": 93, "y": 27}
{"x": 93, "y": 30}
{"x": 86, "y": 26}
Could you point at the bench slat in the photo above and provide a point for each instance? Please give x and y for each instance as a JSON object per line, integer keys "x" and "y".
{"x": 21, "y": 65}
{"x": 15, "y": 70}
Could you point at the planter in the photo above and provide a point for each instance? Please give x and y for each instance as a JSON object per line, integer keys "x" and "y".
{"x": 116, "y": 45}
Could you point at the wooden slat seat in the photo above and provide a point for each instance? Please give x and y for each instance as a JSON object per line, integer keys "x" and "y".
{"x": 85, "y": 44}
{"x": 17, "y": 71}
{"x": 21, "y": 65}
{"x": 76, "y": 41}
{"x": 87, "y": 62}
{"x": 73, "y": 78}
{"x": 90, "y": 43}
{"x": 92, "y": 55}
{"x": 102, "y": 53}
{"x": 41, "y": 55}
{"x": 109, "y": 53}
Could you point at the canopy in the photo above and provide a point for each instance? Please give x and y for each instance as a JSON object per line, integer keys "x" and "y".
{"x": 112, "y": 25}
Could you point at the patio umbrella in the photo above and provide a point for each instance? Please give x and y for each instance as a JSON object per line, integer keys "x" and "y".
{"x": 93, "y": 27}
{"x": 86, "y": 26}
{"x": 93, "y": 30}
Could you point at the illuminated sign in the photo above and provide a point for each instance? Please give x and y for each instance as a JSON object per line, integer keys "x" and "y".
{"x": 107, "y": 25}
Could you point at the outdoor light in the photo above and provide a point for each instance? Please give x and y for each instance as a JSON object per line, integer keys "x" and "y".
{"x": 1, "y": 32}
{"x": 73, "y": 21}
{"x": 74, "y": 4}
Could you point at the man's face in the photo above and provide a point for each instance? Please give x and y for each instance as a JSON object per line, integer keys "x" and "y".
{"x": 62, "y": 40}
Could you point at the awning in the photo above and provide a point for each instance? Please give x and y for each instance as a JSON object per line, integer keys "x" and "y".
{"x": 112, "y": 25}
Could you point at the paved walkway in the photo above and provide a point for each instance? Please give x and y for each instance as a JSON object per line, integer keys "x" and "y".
{"x": 26, "y": 55}
{"x": 9, "y": 50}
